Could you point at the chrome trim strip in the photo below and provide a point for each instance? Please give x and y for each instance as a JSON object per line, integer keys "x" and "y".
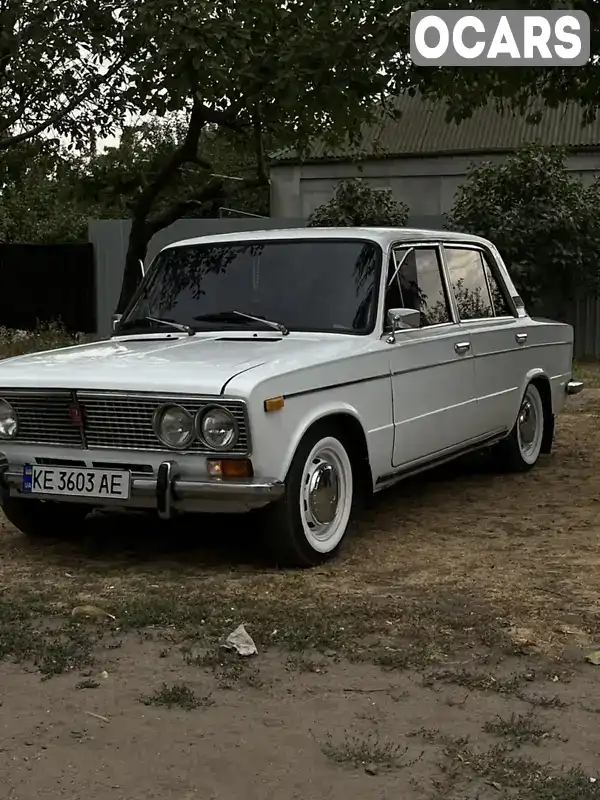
{"x": 441, "y": 457}
{"x": 210, "y": 489}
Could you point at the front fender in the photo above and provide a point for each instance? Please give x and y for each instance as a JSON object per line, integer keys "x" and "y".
{"x": 306, "y": 421}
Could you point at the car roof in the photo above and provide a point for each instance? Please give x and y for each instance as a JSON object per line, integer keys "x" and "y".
{"x": 383, "y": 236}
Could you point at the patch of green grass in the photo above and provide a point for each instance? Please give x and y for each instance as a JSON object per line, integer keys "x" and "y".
{"x": 53, "y": 649}
{"x": 513, "y": 776}
{"x": 589, "y": 372}
{"x": 306, "y": 664}
{"x": 520, "y": 729}
{"x": 229, "y": 669}
{"x": 475, "y": 680}
{"x": 360, "y": 751}
{"x": 179, "y": 695}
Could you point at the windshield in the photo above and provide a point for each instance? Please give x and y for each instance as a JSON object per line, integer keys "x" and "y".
{"x": 324, "y": 285}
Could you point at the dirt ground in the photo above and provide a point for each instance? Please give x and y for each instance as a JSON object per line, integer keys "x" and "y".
{"x": 442, "y": 655}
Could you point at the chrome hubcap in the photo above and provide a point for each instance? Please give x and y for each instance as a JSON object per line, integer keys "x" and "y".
{"x": 527, "y": 423}
{"x": 321, "y": 492}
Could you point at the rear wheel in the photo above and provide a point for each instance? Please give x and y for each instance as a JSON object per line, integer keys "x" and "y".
{"x": 306, "y": 527}
{"x": 521, "y": 449}
{"x": 44, "y": 519}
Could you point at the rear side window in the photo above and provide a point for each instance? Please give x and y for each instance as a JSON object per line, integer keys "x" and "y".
{"x": 466, "y": 269}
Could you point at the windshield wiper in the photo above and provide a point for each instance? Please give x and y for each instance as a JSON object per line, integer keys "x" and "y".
{"x": 176, "y": 325}
{"x": 233, "y": 315}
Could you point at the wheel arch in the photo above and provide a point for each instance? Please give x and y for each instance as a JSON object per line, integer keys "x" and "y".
{"x": 346, "y": 421}
{"x": 542, "y": 383}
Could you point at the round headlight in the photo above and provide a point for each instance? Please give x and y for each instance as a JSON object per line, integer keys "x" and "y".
{"x": 8, "y": 420}
{"x": 174, "y": 426}
{"x": 218, "y": 428}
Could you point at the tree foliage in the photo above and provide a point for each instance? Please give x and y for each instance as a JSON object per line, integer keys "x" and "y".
{"x": 61, "y": 63}
{"x": 543, "y": 221}
{"x": 40, "y": 195}
{"x": 263, "y": 69}
{"x": 355, "y": 203}
{"x": 464, "y": 89}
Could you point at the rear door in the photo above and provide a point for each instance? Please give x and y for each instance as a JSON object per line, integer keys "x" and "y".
{"x": 498, "y": 336}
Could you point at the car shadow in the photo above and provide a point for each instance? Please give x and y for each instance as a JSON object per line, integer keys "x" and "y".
{"x": 224, "y": 541}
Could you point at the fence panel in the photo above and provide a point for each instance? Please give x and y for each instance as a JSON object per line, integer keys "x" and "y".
{"x": 46, "y": 282}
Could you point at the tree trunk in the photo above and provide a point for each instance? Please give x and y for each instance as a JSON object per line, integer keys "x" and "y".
{"x": 139, "y": 238}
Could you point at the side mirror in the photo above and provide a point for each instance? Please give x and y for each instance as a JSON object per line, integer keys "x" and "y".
{"x": 402, "y": 318}
{"x": 116, "y": 318}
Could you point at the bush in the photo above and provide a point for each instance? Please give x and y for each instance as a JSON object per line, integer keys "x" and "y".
{"x": 355, "y": 204}
{"x": 48, "y": 336}
{"x": 543, "y": 221}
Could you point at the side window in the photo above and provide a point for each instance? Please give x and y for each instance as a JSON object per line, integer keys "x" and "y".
{"x": 418, "y": 284}
{"x": 501, "y": 305}
{"x": 467, "y": 278}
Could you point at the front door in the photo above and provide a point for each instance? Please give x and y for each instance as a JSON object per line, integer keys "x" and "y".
{"x": 433, "y": 391}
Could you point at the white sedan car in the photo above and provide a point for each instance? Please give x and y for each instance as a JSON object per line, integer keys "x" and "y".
{"x": 293, "y": 371}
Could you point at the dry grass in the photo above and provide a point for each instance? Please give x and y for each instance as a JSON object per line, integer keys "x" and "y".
{"x": 462, "y": 579}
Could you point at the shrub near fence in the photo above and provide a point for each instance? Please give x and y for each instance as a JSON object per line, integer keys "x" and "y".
{"x": 42, "y": 283}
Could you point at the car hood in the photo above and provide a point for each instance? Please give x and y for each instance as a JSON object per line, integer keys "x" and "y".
{"x": 199, "y": 364}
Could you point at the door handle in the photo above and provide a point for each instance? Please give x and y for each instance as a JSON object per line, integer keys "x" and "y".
{"x": 521, "y": 337}
{"x": 462, "y": 347}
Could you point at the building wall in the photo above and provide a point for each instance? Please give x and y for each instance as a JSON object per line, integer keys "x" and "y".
{"x": 427, "y": 185}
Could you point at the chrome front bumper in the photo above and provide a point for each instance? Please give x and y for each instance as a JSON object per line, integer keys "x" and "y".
{"x": 167, "y": 493}
{"x": 574, "y": 387}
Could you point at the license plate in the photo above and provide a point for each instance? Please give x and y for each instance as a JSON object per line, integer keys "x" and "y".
{"x": 70, "y": 482}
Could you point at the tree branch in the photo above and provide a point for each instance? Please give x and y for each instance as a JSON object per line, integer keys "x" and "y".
{"x": 186, "y": 152}
{"x": 261, "y": 167}
{"x": 11, "y": 141}
{"x": 211, "y": 191}
{"x": 214, "y": 190}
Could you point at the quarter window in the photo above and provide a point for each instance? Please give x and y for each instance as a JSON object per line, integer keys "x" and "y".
{"x": 467, "y": 277}
{"x": 418, "y": 284}
{"x": 501, "y": 305}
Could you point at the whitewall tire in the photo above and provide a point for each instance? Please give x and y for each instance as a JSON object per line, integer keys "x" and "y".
{"x": 520, "y": 451}
{"x": 307, "y": 526}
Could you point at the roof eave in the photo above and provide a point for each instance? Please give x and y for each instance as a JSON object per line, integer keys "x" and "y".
{"x": 298, "y": 162}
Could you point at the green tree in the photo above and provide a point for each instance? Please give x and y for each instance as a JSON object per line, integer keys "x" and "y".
{"x": 355, "y": 203}
{"x": 61, "y": 63}
{"x": 263, "y": 69}
{"x": 115, "y": 177}
{"x": 464, "y": 89}
{"x": 40, "y": 194}
{"x": 543, "y": 221}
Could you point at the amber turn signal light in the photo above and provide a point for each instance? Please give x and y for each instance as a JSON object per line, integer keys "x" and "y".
{"x": 229, "y": 468}
{"x": 274, "y": 403}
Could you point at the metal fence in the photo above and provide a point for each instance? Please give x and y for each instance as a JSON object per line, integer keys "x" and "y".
{"x": 584, "y": 316}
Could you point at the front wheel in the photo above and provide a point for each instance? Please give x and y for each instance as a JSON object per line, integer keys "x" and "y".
{"x": 521, "y": 449}
{"x": 44, "y": 519}
{"x": 306, "y": 527}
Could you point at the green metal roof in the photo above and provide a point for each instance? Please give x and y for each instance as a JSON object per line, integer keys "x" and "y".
{"x": 422, "y": 130}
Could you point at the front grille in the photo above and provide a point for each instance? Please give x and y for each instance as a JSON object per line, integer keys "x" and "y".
{"x": 111, "y": 420}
